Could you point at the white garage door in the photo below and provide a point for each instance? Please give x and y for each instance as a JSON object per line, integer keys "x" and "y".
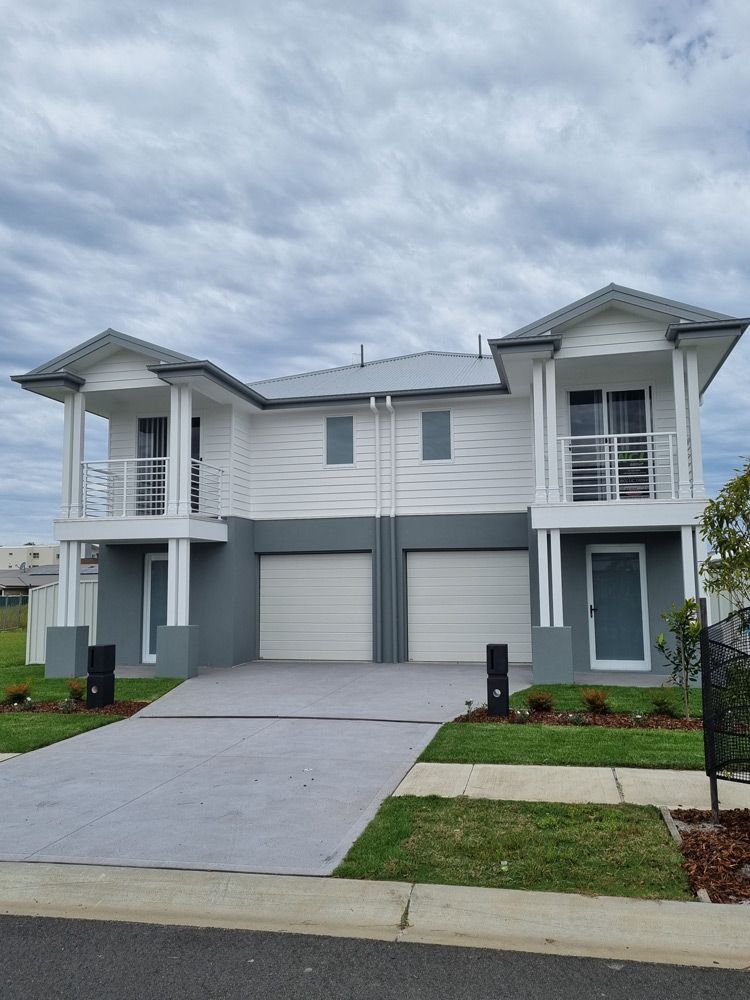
{"x": 316, "y": 607}
{"x": 460, "y": 601}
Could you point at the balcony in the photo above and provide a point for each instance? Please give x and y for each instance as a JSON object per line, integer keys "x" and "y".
{"x": 617, "y": 467}
{"x": 139, "y": 487}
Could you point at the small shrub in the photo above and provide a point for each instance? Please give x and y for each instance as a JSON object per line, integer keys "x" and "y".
{"x": 662, "y": 704}
{"x": 595, "y": 700}
{"x": 469, "y": 705}
{"x": 578, "y": 719}
{"x": 16, "y": 693}
{"x": 520, "y": 715}
{"x": 75, "y": 687}
{"x": 539, "y": 701}
{"x": 66, "y": 706}
{"x": 25, "y": 705}
{"x": 636, "y": 718}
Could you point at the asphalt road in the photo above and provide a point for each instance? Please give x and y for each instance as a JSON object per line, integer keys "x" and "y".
{"x": 46, "y": 959}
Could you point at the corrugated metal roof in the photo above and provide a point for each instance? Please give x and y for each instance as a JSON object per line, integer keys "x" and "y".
{"x": 410, "y": 372}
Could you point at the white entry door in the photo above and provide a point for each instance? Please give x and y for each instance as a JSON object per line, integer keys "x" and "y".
{"x": 458, "y": 601}
{"x": 316, "y": 606}
{"x": 154, "y": 601}
{"x": 618, "y": 607}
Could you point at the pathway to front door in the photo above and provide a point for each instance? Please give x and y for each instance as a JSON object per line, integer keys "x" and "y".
{"x": 268, "y": 767}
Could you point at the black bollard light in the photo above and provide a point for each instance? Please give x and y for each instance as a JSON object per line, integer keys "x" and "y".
{"x": 497, "y": 680}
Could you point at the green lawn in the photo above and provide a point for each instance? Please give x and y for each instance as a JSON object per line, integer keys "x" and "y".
{"x": 594, "y": 849}
{"x": 567, "y": 697}
{"x": 592, "y": 746}
{"x": 26, "y": 731}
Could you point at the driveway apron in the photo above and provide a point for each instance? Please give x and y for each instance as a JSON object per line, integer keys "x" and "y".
{"x": 267, "y": 767}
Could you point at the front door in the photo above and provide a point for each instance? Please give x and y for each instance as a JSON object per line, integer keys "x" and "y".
{"x": 154, "y": 601}
{"x": 617, "y": 607}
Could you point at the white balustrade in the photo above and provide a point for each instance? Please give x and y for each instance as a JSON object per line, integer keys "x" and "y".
{"x": 607, "y": 467}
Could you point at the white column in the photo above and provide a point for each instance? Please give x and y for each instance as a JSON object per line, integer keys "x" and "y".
{"x": 67, "y": 588}
{"x": 543, "y": 564}
{"x": 693, "y": 406}
{"x": 178, "y": 581}
{"x": 173, "y": 451}
{"x": 678, "y": 380}
{"x": 540, "y": 493}
{"x": 701, "y": 554}
{"x": 185, "y": 465}
{"x": 551, "y": 395}
{"x": 688, "y": 562}
{"x": 73, "y": 443}
{"x": 557, "y": 591}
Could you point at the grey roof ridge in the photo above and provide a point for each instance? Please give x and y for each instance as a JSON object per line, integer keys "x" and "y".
{"x": 90, "y": 345}
{"x": 612, "y": 293}
{"x": 367, "y": 364}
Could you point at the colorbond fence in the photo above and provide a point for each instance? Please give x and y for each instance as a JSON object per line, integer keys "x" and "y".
{"x": 43, "y": 612}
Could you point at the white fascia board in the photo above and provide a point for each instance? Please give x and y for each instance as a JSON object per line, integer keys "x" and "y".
{"x": 139, "y": 529}
{"x": 611, "y": 516}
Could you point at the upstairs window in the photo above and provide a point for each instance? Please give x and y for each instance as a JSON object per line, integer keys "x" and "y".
{"x": 436, "y": 436}
{"x": 339, "y": 440}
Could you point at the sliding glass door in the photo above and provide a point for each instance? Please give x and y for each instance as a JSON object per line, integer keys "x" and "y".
{"x": 609, "y": 449}
{"x": 151, "y": 471}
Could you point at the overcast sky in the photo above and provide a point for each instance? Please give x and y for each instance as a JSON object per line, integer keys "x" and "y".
{"x": 271, "y": 184}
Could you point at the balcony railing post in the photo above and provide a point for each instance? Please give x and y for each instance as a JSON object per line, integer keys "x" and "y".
{"x": 672, "y": 482}
{"x": 563, "y": 472}
{"x": 616, "y": 464}
{"x": 125, "y": 488}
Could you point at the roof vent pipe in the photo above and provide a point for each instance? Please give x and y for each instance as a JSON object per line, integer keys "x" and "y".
{"x": 361, "y": 355}
{"x": 479, "y": 338}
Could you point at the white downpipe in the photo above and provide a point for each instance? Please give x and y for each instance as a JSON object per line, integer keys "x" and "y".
{"x": 395, "y": 617}
{"x": 392, "y": 412}
{"x": 376, "y": 414}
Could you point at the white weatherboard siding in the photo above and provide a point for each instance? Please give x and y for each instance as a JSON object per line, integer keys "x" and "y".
{"x": 614, "y": 331}
{"x": 116, "y": 371}
{"x": 316, "y": 607}
{"x": 460, "y": 601}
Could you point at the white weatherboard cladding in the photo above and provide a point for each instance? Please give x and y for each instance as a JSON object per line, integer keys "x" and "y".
{"x": 316, "y": 607}
{"x": 118, "y": 370}
{"x": 615, "y": 330}
{"x": 459, "y": 601}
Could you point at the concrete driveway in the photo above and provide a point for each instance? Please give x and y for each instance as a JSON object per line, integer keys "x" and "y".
{"x": 268, "y": 767}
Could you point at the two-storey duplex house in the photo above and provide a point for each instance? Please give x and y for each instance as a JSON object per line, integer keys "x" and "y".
{"x": 415, "y": 508}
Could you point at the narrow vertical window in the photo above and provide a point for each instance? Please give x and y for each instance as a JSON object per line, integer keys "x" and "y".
{"x": 436, "y": 435}
{"x": 339, "y": 440}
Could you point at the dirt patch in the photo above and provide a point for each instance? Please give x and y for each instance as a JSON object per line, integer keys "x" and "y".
{"x": 613, "y": 720}
{"x": 717, "y": 858}
{"x": 126, "y": 708}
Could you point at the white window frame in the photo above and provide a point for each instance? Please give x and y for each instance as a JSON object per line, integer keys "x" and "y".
{"x": 622, "y": 665}
{"x": 612, "y": 387}
{"x": 340, "y": 465}
{"x": 436, "y": 461}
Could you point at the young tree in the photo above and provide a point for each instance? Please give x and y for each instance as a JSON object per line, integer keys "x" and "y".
{"x": 684, "y": 624}
{"x": 725, "y": 526}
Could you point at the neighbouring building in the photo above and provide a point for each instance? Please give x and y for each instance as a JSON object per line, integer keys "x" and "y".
{"x": 414, "y": 508}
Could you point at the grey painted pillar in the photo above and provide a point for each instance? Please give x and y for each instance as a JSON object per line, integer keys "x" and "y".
{"x": 67, "y": 651}
{"x": 177, "y": 650}
{"x": 552, "y": 655}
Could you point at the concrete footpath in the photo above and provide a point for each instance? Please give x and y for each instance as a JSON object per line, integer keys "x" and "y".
{"x": 539, "y": 783}
{"x": 545, "y": 922}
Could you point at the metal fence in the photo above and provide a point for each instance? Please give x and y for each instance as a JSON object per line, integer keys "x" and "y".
{"x": 43, "y": 613}
{"x": 725, "y": 661}
{"x": 13, "y": 613}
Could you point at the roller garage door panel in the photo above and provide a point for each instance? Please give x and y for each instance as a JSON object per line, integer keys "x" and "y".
{"x": 460, "y": 601}
{"x": 316, "y": 607}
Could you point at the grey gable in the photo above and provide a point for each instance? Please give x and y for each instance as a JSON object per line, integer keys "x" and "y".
{"x": 105, "y": 339}
{"x": 612, "y": 295}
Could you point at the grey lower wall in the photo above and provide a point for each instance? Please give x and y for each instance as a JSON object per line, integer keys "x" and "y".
{"x": 120, "y": 602}
{"x": 663, "y": 576}
{"x": 225, "y": 577}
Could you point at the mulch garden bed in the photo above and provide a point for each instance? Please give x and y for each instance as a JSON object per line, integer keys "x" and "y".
{"x": 126, "y": 708}
{"x": 717, "y": 858}
{"x": 613, "y": 720}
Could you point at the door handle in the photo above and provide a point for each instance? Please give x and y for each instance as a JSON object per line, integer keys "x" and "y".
{"x": 592, "y": 609}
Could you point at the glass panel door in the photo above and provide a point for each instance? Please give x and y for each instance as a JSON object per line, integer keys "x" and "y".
{"x": 150, "y": 476}
{"x": 618, "y": 618}
{"x": 154, "y": 601}
{"x": 627, "y": 415}
{"x": 588, "y": 452}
